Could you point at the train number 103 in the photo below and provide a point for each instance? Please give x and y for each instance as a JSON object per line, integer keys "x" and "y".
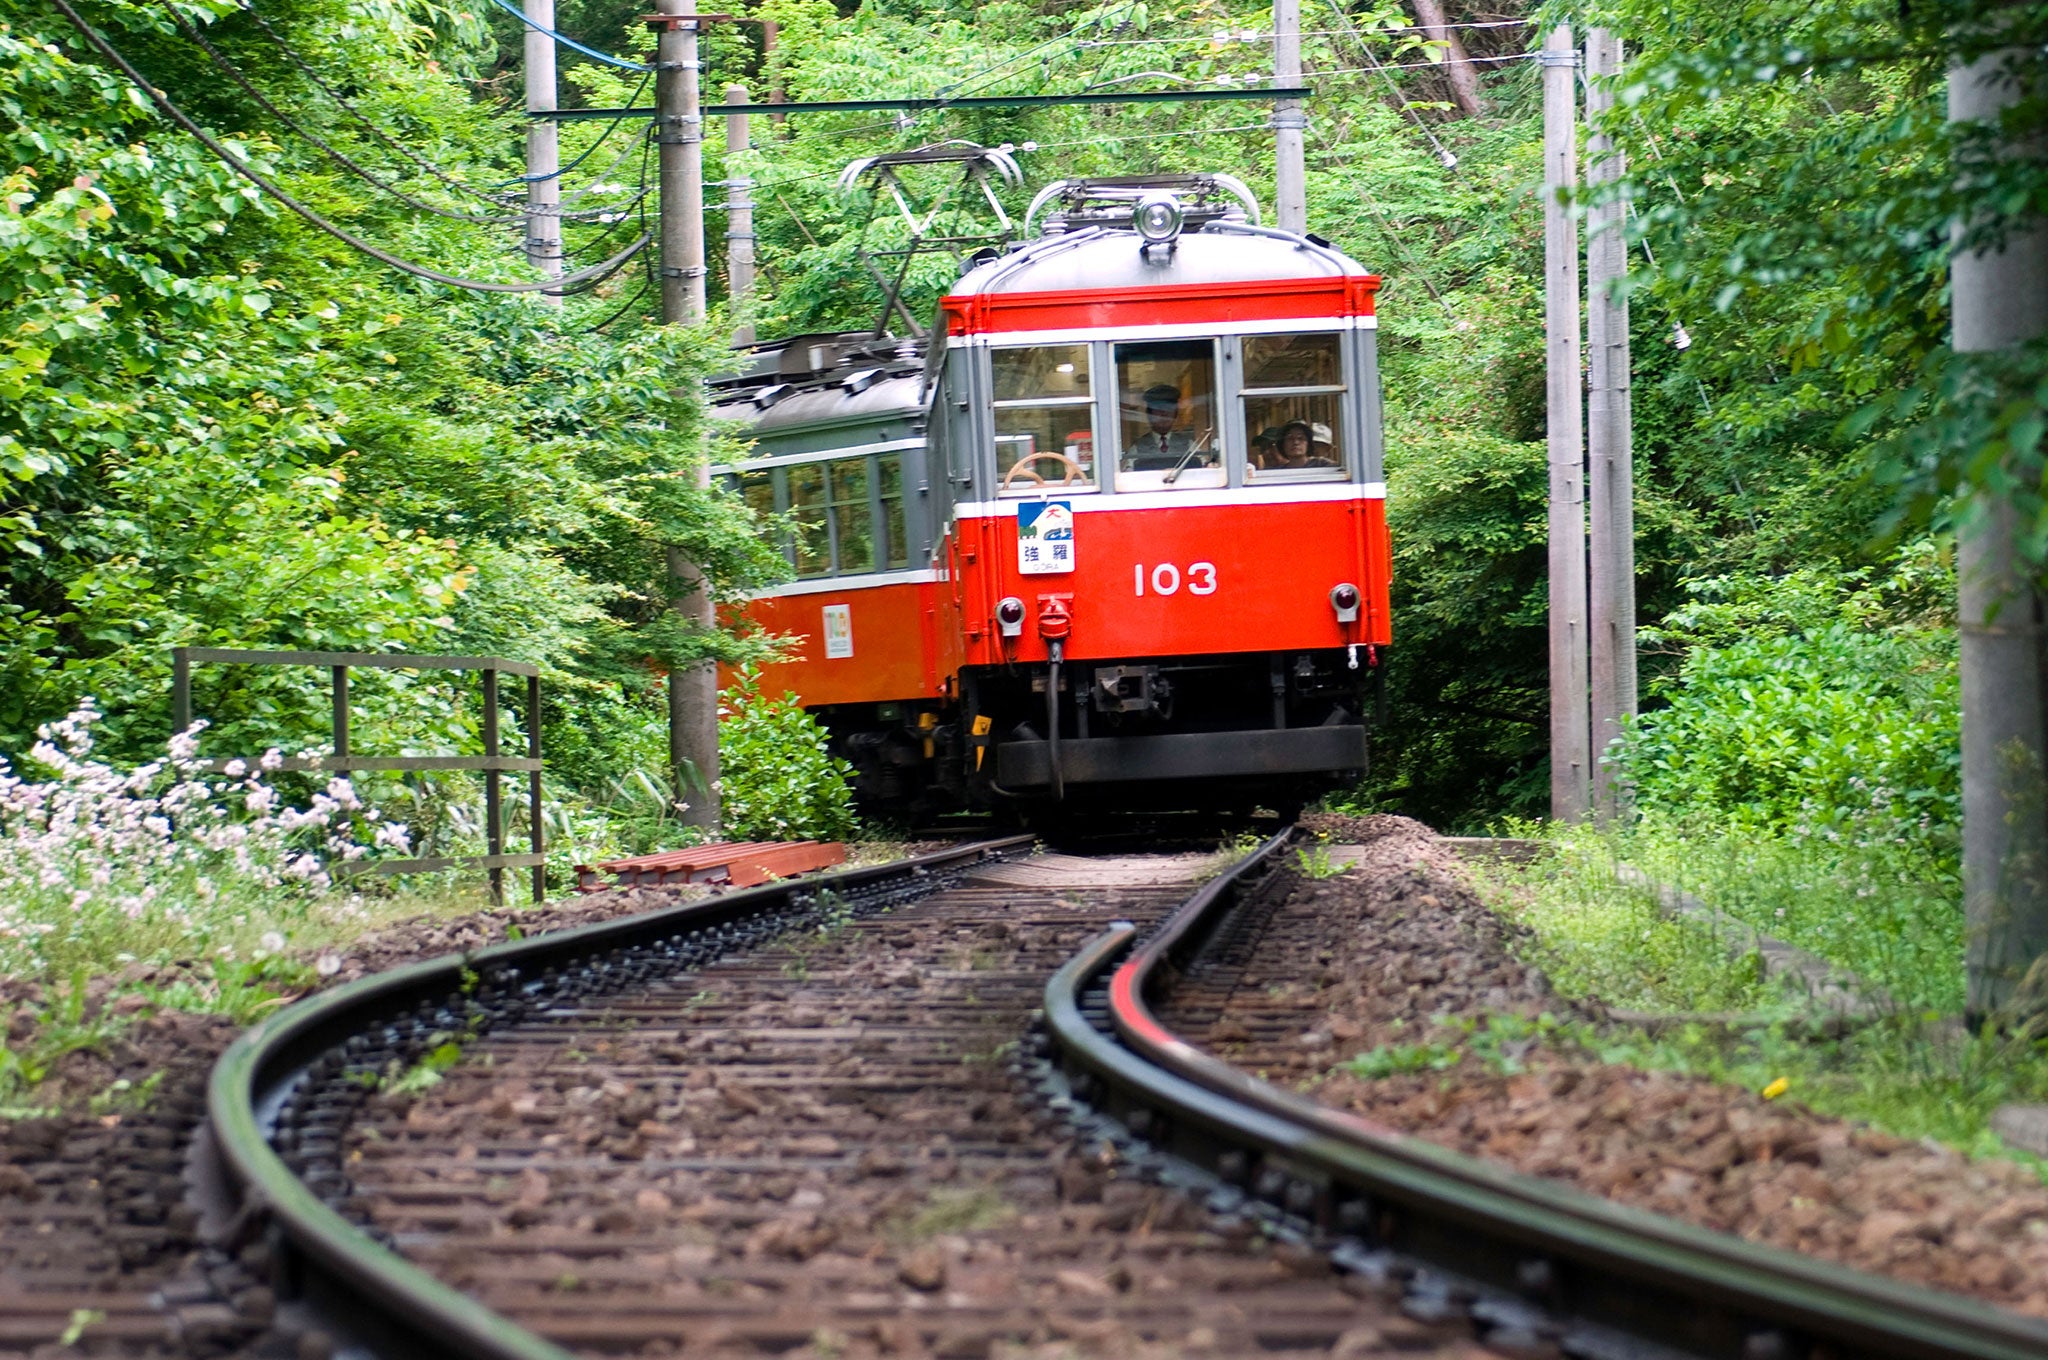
{"x": 1167, "y": 579}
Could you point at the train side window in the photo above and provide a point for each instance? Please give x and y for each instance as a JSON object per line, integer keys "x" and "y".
{"x": 757, "y": 489}
{"x": 1044, "y": 418}
{"x": 895, "y": 533}
{"x": 852, "y": 517}
{"x": 807, "y": 507}
{"x": 1293, "y": 394}
{"x": 1168, "y": 418}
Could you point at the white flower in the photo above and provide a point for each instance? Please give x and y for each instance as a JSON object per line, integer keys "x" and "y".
{"x": 235, "y": 769}
{"x": 271, "y": 940}
{"x": 327, "y": 965}
{"x": 272, "y": 759}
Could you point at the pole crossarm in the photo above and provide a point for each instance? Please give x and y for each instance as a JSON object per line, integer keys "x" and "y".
{"x": 933, "y": 103}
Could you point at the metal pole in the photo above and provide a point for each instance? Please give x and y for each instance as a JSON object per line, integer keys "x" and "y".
{"x": 543, "y": 148}
{"x": 1570, "y": 746}
{"x": 494, "y": 804}
{"x": 692, "y": 689}
{"x": 1609, "y": 435}
{"x": 536, "y": 835}
{"x": 739, "y": 216}
{"x": 2001, "y": 302}
{"x": 1290, "y": 178}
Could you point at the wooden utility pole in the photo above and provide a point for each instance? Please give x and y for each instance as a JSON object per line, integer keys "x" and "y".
{"x": 1290, "y": 176}
{"x": 1570, "y": 746}
{"x": 1610, "y": 490}
{"x": 2001, "y": 302}
{"x": 679, "y": 127}
{"x": 543, "y": 147}
{"x": 739, "y": 215}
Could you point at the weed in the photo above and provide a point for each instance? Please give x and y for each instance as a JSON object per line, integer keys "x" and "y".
{"x": 1314, "y": 861}
{"x": 1387, "y": 1060}
{"x": 426, "y": 1071}
{"x": 81, "y": 1318}
{"x": 948, "y": 1210}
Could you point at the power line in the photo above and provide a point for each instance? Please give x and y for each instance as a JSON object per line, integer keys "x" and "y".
{"x": 339, "y": 157}
{"x": 567, "y": 41}
{"x": 262, "y": 182}
{"x": 609, "y": 128}
{"x": 368, "y": 123}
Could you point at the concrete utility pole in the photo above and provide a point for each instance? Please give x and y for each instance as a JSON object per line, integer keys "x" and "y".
{"x": 1570, "y": 744}
{"x": 1610, "y": 495}
{"x": 739, "y": 215}
{"x": 679, "y": 127}
{"x": 2001, "y": 301}
{"x": 1290, "y": 177}
{"x": 543, "y": 147}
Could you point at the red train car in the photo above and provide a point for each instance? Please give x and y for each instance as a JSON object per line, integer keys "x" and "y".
{"x": 1116, "y": 538}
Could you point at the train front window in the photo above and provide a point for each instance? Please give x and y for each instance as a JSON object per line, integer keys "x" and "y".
{"x": 1293, "y": 395}
{"x": 894, "y": 533}
{"x": 1167, "y": 416}
{"x": 1044, "y": 417}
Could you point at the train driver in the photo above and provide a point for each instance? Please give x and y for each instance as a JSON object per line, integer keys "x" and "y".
{"x": 1162, "y": 447}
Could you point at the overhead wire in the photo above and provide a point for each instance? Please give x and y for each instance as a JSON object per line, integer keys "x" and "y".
{"x": 609, "y": 128}
{"x": 593, "y": 53}
{"x": 340, "y": 157}
{"x": 369, "y": 124}
{"x": 170, "y": 110}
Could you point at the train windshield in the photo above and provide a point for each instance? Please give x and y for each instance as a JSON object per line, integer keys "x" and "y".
{"x": 1293, "y": 394}
{"x": 1045, "y": 418}
{"x": 1167, "y": 416}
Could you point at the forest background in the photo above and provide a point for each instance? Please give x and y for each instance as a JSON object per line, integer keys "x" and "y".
{"x": 222, "y": 427}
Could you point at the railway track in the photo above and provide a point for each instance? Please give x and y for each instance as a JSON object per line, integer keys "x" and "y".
{"x": 795, "y": 1120}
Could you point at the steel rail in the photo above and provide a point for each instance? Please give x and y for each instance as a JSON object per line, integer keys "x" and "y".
{"x": 1615, "y": 1279}
{"x": 286, "y": 1086}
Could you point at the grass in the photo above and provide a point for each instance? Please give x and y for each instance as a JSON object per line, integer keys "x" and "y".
{"x": 1873, "y": 910}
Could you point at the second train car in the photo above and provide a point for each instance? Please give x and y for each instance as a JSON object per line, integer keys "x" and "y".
{"x": 1114, "y": 537}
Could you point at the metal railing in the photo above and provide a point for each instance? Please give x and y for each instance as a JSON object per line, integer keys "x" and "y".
{"x": 493, "y": 763}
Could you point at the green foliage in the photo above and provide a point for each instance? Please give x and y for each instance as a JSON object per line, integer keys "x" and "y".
{"x": 778, "y": 779}
{"x": 1388, "y": 1060}
{"x": 1797, "y": 709}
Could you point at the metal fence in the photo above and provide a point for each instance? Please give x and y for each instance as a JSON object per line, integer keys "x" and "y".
{"x": 492, "y": 762}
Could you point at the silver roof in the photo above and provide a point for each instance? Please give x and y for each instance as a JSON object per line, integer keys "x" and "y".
{"x": 829, "y": 403}
{"x": 1223, "y": 252}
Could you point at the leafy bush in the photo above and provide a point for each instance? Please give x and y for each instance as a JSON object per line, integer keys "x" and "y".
{"x": 777, "y": 779}
{"x": 1800, "y": 709}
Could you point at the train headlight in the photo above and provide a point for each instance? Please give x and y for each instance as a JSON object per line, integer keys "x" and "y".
{"x": 1157, "y": 218}
{"x": 1010, "y": 616}
{"x": 1344, "y": 599}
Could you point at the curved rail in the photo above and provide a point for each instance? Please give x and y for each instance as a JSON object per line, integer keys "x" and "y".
{"x": 1612, "y": 1276}
{"x": 280, "y": 1097}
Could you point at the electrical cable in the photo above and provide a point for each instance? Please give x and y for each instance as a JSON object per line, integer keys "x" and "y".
{"x": 567, "y": 41}
{"x": 369, "y": 124}
{"x": 627, "y": 306}
{"x": 341, "y": 158}
{"x": 609, "y": 128}
{"x": 264, "y": 183}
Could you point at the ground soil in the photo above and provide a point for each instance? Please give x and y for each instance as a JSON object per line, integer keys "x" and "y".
{"x": 1401, "y": 941}
{"x": 91, "y": 1211}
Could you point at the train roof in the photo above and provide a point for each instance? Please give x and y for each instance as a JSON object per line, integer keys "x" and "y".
{"x": 1108, "y": 258}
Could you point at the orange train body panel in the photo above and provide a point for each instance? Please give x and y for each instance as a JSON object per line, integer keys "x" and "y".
{"x": 1244, "y": 575}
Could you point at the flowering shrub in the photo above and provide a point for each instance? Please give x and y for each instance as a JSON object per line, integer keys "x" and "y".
{"x": 100, "y": 867}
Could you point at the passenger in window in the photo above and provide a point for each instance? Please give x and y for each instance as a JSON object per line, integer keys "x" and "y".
{"x": 1303, "y": 445}
{"x": 1266, "y": 448}
{"x": 1163, "y": 448}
